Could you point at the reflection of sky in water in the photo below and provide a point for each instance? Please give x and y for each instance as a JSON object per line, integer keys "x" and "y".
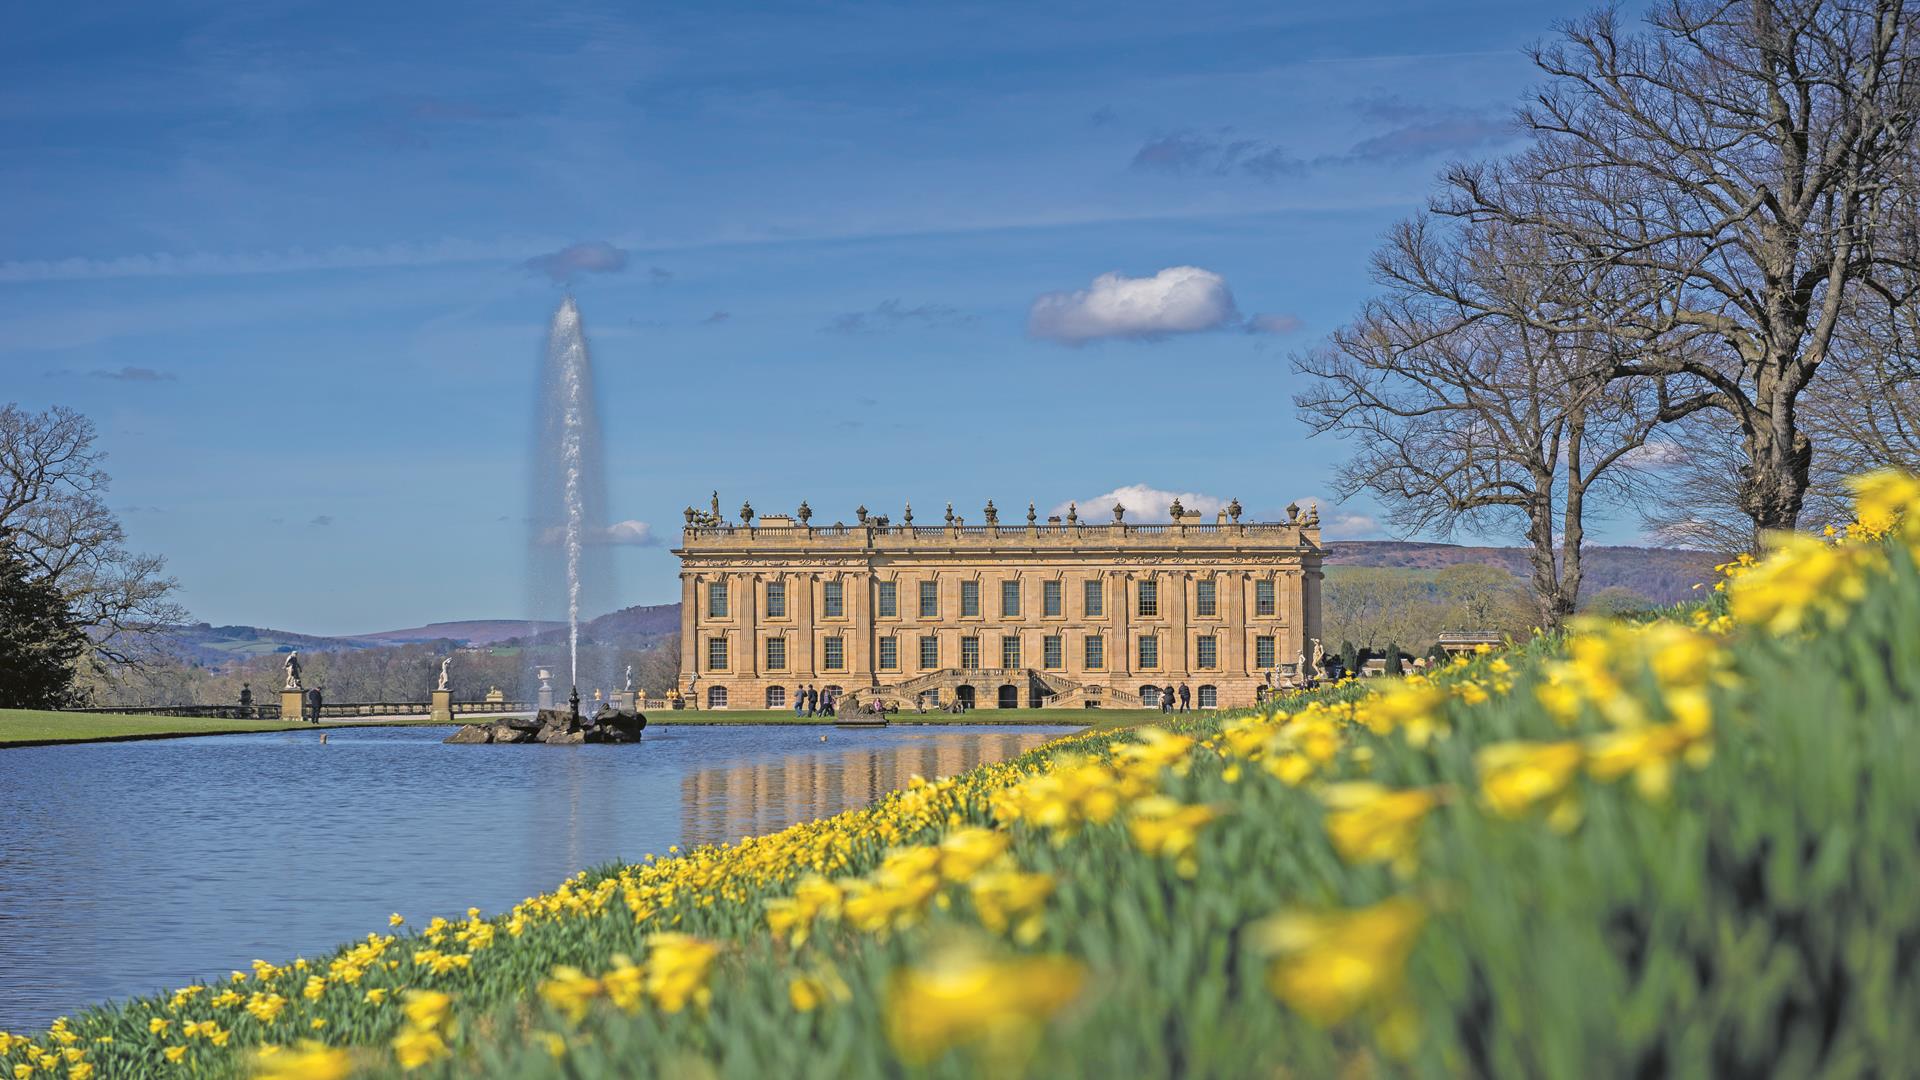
{"x": 133, "y": 867}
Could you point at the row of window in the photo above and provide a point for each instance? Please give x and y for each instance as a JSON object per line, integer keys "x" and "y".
{"x": 1206, "y": 696}
{"x": 833, "y": 650}
{"x": 833, "y": 603}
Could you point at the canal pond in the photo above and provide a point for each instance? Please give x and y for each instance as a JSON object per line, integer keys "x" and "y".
{"x": 128, "y": 868}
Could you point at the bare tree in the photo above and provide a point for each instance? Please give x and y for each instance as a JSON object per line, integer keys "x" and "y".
{"x": 51, "y": 502}
{"x": 1468, "y": 405}
{"x": 1746, "y": 166}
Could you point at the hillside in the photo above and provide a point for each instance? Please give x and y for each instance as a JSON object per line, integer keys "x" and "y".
{"x": 469, "y": 631}
{"x": 1663, "y": 575}
{"x": 214, "y": 646}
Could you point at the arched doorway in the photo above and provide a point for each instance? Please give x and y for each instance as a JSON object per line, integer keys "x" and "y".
{"x": 1009, "y": 696}
{"x": 1150, "y": 696}
{"x": 964, "y": 694}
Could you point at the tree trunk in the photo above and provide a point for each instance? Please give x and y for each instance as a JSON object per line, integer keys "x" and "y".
{"x": 1780, "y": 459}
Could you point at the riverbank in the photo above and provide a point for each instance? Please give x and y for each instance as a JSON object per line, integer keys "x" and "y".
{"x": 39, "y": 727}
{"x": 42, "y": 727}
{"x": 1404, "y": 877}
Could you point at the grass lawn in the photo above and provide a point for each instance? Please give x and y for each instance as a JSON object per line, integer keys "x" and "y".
{"x": 32, "y": 726}
{"x": 1098, "y": 718}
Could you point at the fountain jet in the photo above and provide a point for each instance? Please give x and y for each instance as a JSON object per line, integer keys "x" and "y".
{"x": 570, "y": 568}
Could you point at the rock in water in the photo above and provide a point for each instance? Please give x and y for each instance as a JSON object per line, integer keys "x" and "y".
{"x": 469, "y": 733}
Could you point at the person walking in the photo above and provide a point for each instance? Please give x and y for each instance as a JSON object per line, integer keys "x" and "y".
{"x": 799, "y": 701}
{"x": 1166, "y": 699}
{"x": 1186, "y": 697}
{"x": 813, "y": 700}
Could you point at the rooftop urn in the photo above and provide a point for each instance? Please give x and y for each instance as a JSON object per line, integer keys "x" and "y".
{"x": 1073, "y": 513}
{"x": 949, "y": 513}
{"x": 746, "y": 513}
{"x": 689, "y": 517}
{"x": 1031, "y": 516}
{"x": 805, "y": 513}
{"x": 908, "y": 519}
{"x": 1233, "y": 510}
{"x": 1119, "y": 513}
{"x": 1293, "y": 512}
{"x": 993, "y": 515}
{"x": 861, "y": 513}
{"x": 1177, "y": 510}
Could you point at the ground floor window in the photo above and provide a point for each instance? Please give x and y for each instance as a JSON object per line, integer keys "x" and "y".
{"x": 716, "y": 697}
{"x": 929, "y": 653}
{"x": 1263, "y": 651}
{"x": 889, "y": 654}
{"x": 1207, "y": 652}
{"x": 1209, "y": 697}
{"x": 1052, "y": 652}
{"x": 1096, "y": 652}
{"x": 834, "y": 650}
{"x": 970, "y": 653}
{"x": 716, "y": 654}
{"x": 1010, "y": 651}
{"x": 776, "y": 654}
{"x": 776, "y": 697}
{"x": 1150, "y": 696}
{"x": 1149, "y": 652}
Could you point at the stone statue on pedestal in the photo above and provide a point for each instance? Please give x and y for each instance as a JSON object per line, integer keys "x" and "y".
{"x": 443, "y": 673}
{"x": 629, "y": 678}
{"x": 1319, "y": 658}
{"x": 293, "y": 670}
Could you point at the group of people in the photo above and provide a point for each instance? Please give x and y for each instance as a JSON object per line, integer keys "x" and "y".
{"x": 1167, "y": 698}
{"x": 810, "y": 700}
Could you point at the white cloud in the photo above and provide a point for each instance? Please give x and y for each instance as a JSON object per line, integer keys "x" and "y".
{"x": 1177, "y": 300}
{"x": 1656, "y": 455}
{"x": 620, "y": 533}
{"x": 1143, "y": 503}
{"x": 1273, "y": 324}
{"x": 1337, "y": 523}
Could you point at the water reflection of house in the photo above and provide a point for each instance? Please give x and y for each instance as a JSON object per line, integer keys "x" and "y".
{"x": 725, "y": 804}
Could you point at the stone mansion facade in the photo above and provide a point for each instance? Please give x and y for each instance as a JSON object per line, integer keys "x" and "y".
{"x": 1057, "y": 613}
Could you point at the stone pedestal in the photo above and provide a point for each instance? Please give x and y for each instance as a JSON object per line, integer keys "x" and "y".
{"x": 442, "y": 710}
{"x": 293, "y": 704}
{"x": 622, "y": 700}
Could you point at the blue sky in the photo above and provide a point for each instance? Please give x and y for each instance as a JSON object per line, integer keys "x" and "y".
{"x": 289, "y": 257}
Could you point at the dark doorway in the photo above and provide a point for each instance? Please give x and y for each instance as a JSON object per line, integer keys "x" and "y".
{"x": 964, "y": 694}
{"x": 1009, "y": 696}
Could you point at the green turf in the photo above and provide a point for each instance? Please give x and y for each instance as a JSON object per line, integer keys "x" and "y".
{"x": 41, "y": 726}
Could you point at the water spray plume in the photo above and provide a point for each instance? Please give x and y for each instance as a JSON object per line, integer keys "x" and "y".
{"x": 568, "y": 492}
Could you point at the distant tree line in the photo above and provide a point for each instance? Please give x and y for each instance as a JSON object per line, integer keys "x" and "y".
{"x": 1689, "y": 291}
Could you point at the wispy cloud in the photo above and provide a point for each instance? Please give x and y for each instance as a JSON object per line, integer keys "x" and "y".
{"x": 321, "y": 520}
{"x": 619, "y": 534}
{"x": 659, "y": 275}
{"x": 290, "y": 260}
{"x": 716, "y": 318}
{"x": 589, "y": 257}
{"x": 894, "y": 314}
{"x": 1218, "y": 153}
{"x": 126, "y": 374}
{"x": 1420, "y": 130}
{"x": 1177, "y": 300}
{"x": 1273, "y": 324}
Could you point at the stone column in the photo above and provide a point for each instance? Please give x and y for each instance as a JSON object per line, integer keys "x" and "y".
{"x": 749, "y": 665}
{"x": 1175, "y": 662}
{"x": 689, "y": 629}
{"x": 800, "y": 593}
{"x": 1119, "y": 599}
{"x": 860, "y": 649}
{"x": 1233, "y": 583}
{"x": 442, "y": 710}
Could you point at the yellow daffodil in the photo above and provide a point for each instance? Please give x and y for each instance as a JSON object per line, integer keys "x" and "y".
{"x": 962, "y": 996}
{"x": 1329, "y": 965}
{"x": 1370, "y": 823}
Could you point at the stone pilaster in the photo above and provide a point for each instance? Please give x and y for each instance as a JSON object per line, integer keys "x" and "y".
{"x": 801, "y": 658}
